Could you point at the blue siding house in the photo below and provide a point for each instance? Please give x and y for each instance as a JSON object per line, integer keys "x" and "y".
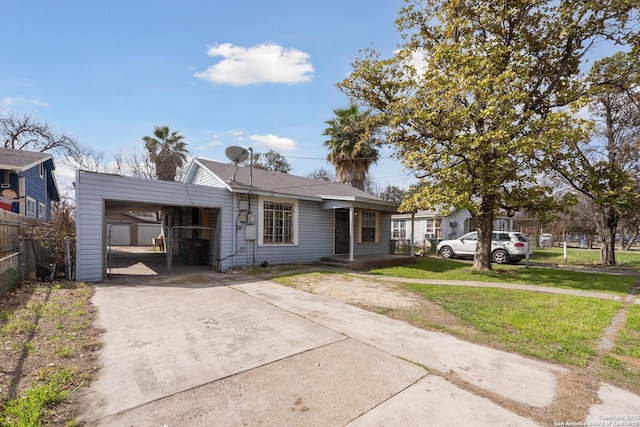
{"x": 27, "y": 183}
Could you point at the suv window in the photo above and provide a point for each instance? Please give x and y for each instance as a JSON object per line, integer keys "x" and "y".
{"x": 471, "y": 236}
{"x": 502, "y": 237}
{"x": 521, "y": 237}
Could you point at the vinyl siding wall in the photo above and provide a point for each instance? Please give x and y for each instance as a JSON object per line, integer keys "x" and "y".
{"x": 35, "y": 188}
{"x": 315, "y": 238}
{"x": 382, "y": 246}
{"x": 93, "y": 189}
{"x": 202, "y": 177}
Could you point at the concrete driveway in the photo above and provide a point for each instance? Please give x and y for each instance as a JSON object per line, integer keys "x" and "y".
{"x": 208, "y": 350}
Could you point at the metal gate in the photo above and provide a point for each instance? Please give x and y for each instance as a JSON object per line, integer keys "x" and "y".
{"x": 136, "y": 249}
{"x": 179, "y": 249}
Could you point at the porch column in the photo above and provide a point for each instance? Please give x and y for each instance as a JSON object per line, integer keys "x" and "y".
{"x": 351, "y": 229}
{"x": 413, "y": 218}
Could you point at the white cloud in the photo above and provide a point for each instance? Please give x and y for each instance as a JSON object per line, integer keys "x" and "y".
{"x": 22, "y": 101}
{"x": 274, "y": 142}
{"x": 233, "y": 133}
{"x": 209, "y": 145}
{"x": 265, "y": 63}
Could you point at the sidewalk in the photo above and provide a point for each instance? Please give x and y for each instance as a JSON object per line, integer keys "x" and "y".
{"x": 534, "y": 288}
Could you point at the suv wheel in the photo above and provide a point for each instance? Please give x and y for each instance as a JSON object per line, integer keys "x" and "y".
{"x": 446, "y": 252}
{"x": 501, "y": 257}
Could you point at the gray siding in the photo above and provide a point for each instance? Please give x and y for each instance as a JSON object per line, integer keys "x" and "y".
{"x": 203, "y": 177}
{"x": 315, "y": 238}
{"x": 93, "y": 189}
{"x": 383, "y": 247}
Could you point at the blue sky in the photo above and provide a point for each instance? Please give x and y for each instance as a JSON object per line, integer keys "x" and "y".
{"x": 252, "y": 73}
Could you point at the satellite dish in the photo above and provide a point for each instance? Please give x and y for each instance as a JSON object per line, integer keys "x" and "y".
{"x": 236, "y": 154}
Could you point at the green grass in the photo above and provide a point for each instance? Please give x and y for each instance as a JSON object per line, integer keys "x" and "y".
{"x": 616, "y": 371}
{"x": 628, "y": 340}
{"x": 444, "y": 269}
{"x": 29, "y": 409}
{"x": 560, "y": 328}
{"x": 582, "y": 257}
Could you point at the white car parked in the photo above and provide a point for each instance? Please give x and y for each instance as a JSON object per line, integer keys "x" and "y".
{"x": 506, "y": 247}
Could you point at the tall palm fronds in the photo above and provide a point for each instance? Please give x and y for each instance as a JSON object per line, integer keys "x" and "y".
{"x": 167, "y": 151}
{"x": 351, "y": 145}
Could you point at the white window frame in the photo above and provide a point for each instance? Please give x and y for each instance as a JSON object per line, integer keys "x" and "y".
{"x": 261, "y": 229}
{"x": 433, "y": 228}
{"x": 399, "y": 227}
{"x": 42, "y": 212}
{"x": 30, "y": 207}
{"x": 361, "y": 215}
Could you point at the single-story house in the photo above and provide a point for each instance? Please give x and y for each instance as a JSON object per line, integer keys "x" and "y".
{"x": 226, "y": 216}
{"x": 27, "y": 183}
{"x": 127, "y": 229}
{"x": 430, "y": 225}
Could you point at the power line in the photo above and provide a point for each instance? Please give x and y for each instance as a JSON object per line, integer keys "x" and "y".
{"x": 324, "y": 158}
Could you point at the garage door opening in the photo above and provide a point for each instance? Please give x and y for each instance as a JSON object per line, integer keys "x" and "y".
{"x": 158, "y": 240}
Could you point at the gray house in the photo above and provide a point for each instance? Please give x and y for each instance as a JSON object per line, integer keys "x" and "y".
{"x": 429, "y": 225}
{"x": 224, "y": 216}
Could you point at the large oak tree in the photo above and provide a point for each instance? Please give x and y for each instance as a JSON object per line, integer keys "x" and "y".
{"x": 474, "y": 99}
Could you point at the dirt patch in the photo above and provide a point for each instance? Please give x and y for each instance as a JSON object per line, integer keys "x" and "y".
{"x": 357, "y": 291}
{"x": 45, "y": 328}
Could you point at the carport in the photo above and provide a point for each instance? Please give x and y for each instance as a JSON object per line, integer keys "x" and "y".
{"x": 148, "y": 239}
{"x": 134, "y": 226}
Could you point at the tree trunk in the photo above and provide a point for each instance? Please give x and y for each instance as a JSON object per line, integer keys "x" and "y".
{"x": 608, "y": 225}
{"x": 631, "y": 241}
{"x": 623, "y": 233}
{"x": 484, "y": 222}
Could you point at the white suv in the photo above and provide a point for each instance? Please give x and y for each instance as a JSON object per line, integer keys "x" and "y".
{"x": 506, "y": 247}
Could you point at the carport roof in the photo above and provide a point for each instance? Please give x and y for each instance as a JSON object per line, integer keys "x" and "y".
{"x": 332, "y": 194}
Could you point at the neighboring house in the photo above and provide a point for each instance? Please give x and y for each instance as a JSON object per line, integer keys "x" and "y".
{"x": 243, "y": 216}
{"x": 125, "y": 229}
{"x": 429, "y": 225}
{"x": 27, "y": 181}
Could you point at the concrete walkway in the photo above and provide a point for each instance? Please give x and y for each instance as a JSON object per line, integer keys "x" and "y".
{"x": 194, "y": 352}
{"x": 532, "y": 288}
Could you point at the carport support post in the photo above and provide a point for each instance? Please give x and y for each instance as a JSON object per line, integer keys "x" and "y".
{"x": 351, "y": 227}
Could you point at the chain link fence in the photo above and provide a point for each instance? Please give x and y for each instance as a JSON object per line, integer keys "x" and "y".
{"x": 40, "y": 259}
{"x": 148, "y": 249}
{"x": 192, "y": 246}
{"x": 136, "y": 249}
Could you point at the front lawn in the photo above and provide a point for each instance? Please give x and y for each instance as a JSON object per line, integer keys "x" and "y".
{"x": 628, "y": 341}
{"x": 585, "y": 257}
{"x": 560, "y": 328}
{"x": 444, "y": 269}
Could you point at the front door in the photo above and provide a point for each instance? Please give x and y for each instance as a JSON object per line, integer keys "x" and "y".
{"x": 342, "y": 231}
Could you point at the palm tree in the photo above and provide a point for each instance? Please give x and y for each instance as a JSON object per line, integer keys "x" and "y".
{"x": 167, "y": 151}
{"x": 351, "y": 146}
